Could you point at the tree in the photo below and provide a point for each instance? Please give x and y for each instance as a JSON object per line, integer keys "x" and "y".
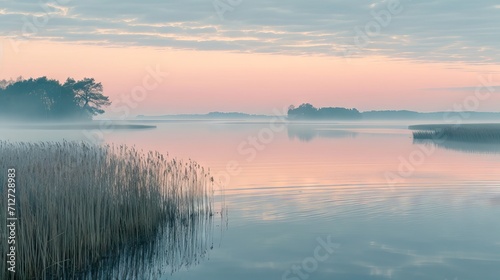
{"x": 37, "y": 99}
{"x": 304, "y": 111}
{"x": 308, "y": 111}
{"x": 88, "y": 95}
{"x": 4, "y": 83}
{"x": 44, "y": 99}
{"x": 61, "y": 100}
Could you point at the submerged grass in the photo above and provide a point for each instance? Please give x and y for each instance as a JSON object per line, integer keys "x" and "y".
{"x": 79, "y": 203}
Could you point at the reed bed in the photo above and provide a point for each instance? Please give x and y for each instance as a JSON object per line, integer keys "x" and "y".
{"x": 180, "y": 244}
{"x": 80, "y": 204}
{"x": 467, "y": 147}
{"x": 472, "y": 133}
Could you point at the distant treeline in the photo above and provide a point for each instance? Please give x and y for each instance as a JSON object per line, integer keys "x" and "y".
{"x": 449, "y": 116}
{"x": 44, "y": 99}
{"x": 307, "y": 111}
{"x": 211, "y": 115}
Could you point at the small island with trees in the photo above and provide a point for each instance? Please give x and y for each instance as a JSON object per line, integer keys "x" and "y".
{"x": 307, "y": 111}
{"x": 44, "y": 99}
{"x": 454, "y": 130}
{"x": 43, "y": 103}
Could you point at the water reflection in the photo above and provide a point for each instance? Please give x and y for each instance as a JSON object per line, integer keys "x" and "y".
{"x": 181, "y": 244}
{"x": 467, "y": 147}
{"x": 307, "y": 132}
{"x": 440, "y": 222}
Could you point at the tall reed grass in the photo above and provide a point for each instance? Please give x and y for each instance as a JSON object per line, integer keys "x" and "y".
{"x": 179, "y": 245}
{"x": 78, "y": 204}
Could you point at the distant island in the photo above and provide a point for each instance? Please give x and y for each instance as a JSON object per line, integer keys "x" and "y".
{"x": 307, "y": 111}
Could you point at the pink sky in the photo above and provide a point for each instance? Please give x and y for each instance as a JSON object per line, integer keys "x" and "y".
{"x": 204, "y": 81}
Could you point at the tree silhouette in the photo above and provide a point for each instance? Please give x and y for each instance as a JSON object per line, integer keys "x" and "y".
{"x": 308, "y": 111}
{"x": 88, "y": 95}
{"x": 304, "y": 111}
{"x": 46, "y": 99}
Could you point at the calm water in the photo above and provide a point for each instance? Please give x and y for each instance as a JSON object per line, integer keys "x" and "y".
{"x": 337, "y": 201}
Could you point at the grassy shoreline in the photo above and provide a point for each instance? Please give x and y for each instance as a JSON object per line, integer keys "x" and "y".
{"x": 78, "y": 203}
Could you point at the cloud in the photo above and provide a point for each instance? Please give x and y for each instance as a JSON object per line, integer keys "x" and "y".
{"x": 425, "y": 30}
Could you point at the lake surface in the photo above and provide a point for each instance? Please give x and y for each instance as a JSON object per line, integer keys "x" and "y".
{"x": 335, "y": 201}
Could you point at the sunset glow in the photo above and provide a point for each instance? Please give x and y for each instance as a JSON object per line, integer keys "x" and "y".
{"x": 204, "y": 81}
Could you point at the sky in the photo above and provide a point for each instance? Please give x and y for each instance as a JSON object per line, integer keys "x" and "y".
{"x": 259, "y": 56}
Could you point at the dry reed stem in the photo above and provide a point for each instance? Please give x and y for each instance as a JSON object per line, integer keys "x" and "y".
{"x": 78, "y": 203}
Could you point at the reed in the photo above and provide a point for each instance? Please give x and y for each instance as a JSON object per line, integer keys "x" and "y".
{"x": 467, "y": 147}
{"x": 472, "y": 133}
{"x": 79, "y": 203}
